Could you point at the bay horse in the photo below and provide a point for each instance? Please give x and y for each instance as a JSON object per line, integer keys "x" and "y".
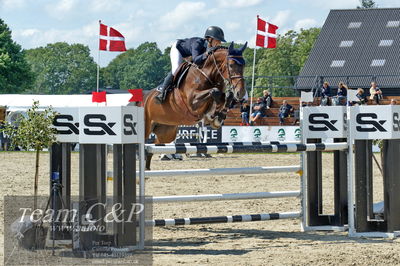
{"x": 204, "y": 93}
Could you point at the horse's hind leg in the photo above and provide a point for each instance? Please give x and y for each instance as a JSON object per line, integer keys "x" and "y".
{"x": 165, "y": 134}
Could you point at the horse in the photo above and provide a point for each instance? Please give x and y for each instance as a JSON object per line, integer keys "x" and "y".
{"x": 204, "y": 93}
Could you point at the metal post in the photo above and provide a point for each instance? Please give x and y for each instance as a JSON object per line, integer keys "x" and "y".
{"x": 92, "y": 187}
{"x": 60, "y": 172}
{"x": 314, "y": 187}
{"x": 391, "y": 175}
{"x": 340, "y": 186}
{"x": 362, "y": 175}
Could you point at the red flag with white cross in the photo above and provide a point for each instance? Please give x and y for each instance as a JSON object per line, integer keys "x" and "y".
{"x": 266, "y": 34}
{"x": 111, "y": 40}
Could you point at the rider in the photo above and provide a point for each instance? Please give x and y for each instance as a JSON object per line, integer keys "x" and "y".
{"x": 195, "y": 47}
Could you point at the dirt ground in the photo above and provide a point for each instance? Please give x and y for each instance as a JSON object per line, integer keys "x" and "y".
{"x": 279, "y": 242}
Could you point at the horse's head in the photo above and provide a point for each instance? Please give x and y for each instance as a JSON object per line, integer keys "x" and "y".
{"x": 231, "y": 69}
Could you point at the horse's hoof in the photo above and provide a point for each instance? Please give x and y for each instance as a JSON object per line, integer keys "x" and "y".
{"x": 209, "y": 117}
{"x": 216, "y": 124}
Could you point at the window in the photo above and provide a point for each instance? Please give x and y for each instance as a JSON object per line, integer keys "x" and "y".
{"x": 386, "y": 43}
{"x": 346, "y": 43}
{"x": 378, "y": 62}
{"x": 354, "y": 25}
{"x": 338, "y": 63}
{"x": 393, "y": 24}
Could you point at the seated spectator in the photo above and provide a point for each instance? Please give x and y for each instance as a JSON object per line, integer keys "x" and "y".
{"x": 362, "y": 99}
{"x": 245, "y": 112}
{"x": 341, "y": 97}
{"x": 267, "y": 99}
{"x": 296, "y": 113}
{"x": 258, "y": 111}
{"x": 393, "y": 102}
{"x": 325, "y": 94}
{"x": 376, "y": 93}
{"x": 284, "y": 111}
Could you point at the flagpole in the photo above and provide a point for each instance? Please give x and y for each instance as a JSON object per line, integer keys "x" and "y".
{"x": 98, "y": 61}
{"x": 254, "y": 67}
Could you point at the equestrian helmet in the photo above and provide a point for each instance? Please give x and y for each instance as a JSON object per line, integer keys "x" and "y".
{"x": 215, "y": 32}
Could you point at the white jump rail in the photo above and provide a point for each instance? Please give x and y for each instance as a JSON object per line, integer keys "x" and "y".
{"x": 228, "y": 196}
{"x": 219, "y": 171}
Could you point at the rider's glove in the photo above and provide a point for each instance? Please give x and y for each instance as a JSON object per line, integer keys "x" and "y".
{"x": 211, "y": 50}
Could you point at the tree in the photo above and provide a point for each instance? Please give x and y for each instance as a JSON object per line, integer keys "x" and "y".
{"x": 35, "y": 132}
{"x": 15, "y": 74}
{"x": 144, "y": 67}
{"x": 61, "y": 68}
{"x": 284, "y": 62}
{"x": 367, "y": 4}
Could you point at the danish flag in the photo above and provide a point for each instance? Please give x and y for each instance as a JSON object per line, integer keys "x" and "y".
{"x": 111, "y": 39}
{"x": 266, "y": 34}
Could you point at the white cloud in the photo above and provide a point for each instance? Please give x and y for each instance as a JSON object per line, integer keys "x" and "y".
{"x": 182, "y": 13}
{"x": 281, "y": 18}
{"x": 104, "y": 5}
{"x": 323, "y": 4}
{"x": 36, "y": 37}
{"x": 238, "y": 3}
{"x": 231, "y": 26}
{"x": 305, "y": 24}
{"x": 11, "y": 4}
{"x": 29, "y": 32}
{"x": 61, "y": 8}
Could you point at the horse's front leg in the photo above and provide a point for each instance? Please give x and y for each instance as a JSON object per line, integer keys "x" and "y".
{"x": 220, "y": 114}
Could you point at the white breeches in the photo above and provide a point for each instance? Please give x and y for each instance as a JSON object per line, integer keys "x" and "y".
{"x": 176, "y": 58}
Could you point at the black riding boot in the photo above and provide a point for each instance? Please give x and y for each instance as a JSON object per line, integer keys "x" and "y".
{"x": 163, "y": 89}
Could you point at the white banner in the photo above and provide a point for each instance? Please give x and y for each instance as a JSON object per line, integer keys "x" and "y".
{"x": 66, "y": 124}
{"x": 324, "y": 122}
{"x": 260, "y": 134}
{"x": 100, "y": 125}
{"x": 374, "y": 122}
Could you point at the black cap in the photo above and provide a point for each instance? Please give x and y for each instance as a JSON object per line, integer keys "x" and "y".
{"x": 215, "y": 32}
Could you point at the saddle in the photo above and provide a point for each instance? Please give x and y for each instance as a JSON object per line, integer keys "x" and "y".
{"x": 180, "y": 74}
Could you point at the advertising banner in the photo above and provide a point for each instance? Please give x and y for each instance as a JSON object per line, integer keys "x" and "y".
{"x": 260, "y": 134}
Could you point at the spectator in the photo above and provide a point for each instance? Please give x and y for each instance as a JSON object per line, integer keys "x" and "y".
{"x": 296, "y": 113}
{"x": 376, "y": 93}
{"x": 284, "y": 111}
{"x": 267, "y": 99}
{"x": 245, "y": 112}
{"x": 258, "y": 111}
{"x": 362, "y": 99}
{"x": 393, "y": 102}
{"x": 325, "y": 94}
{"x": 341, "y": 97}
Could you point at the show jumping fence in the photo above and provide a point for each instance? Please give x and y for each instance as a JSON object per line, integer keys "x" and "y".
{"x": 318, "y": 123}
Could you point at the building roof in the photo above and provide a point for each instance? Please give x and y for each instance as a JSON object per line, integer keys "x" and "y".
{"x": 359, "y": 46}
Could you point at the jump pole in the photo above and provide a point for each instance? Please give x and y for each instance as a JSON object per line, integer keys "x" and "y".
{"x": 224, "y": 219}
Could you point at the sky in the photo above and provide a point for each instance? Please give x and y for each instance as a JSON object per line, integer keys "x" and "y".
{"x": 35, "y": 23}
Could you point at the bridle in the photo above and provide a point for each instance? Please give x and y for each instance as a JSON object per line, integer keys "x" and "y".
{"x": 228, "y": 84}
{"x": 228, "y": 81}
